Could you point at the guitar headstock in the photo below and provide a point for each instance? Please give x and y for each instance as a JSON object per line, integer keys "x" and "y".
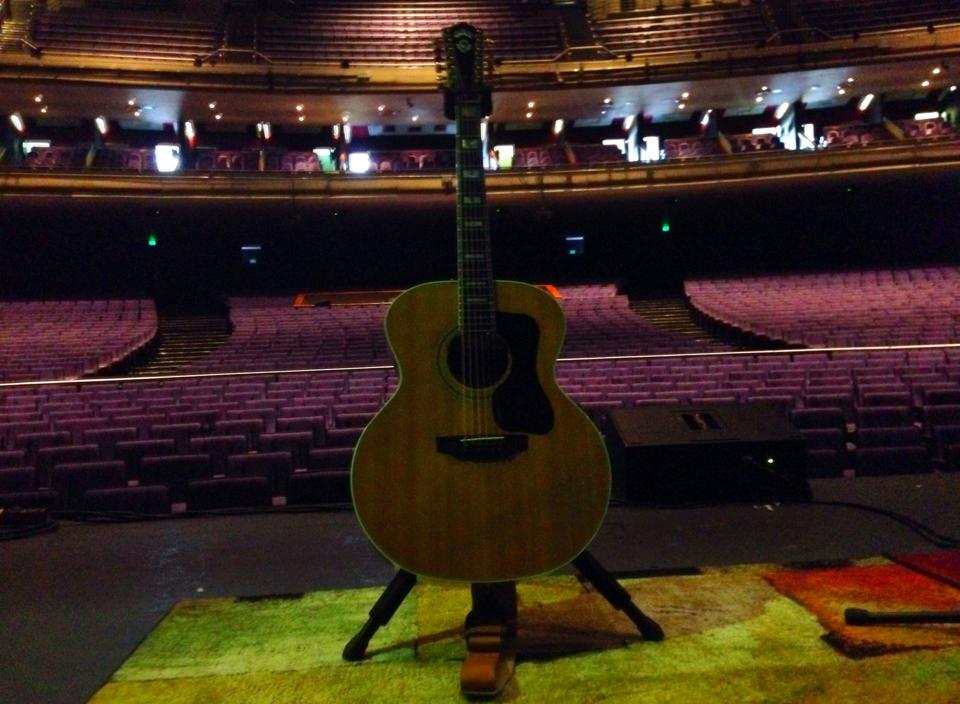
{"x": 464, "y": 66}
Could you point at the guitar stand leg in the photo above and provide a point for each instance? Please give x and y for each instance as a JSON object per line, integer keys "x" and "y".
{"x": 619, "y": 598}
{"x": 381, "y": 613}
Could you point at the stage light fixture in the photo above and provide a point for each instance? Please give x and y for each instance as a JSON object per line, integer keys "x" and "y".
{"x": 38, "y": 98}
{"x": 102, "y": 125}
{"x": 190, "y": 131}
{"x": 705, "y": 120}
{"x": 925, "y": 83}
{"x": 781, "y": 110}
{"x": 212, "y": 105}
{"x": 936, "y": 71}
{"x": 558, "y": 126}
{"x": 865, "y": 102}
{"x": 628, "y": 122}
{"x": 930, "y": 115}
{"x": 44, "y": 109}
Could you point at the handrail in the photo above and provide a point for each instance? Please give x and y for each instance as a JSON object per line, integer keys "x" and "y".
{"x": 203, "y": 58}
{"x": 561, "y": 360}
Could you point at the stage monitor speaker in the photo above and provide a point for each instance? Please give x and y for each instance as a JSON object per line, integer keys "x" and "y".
{"x": 676, "y": 455}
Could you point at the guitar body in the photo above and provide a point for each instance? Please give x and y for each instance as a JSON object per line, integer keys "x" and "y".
{"x": 492, "y": 479}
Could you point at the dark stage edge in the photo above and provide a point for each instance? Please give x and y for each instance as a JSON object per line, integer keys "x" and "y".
{"x": 75, "y": 603}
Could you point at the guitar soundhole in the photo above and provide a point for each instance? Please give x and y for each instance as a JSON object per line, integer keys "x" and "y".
{"x": 483, "y": 362}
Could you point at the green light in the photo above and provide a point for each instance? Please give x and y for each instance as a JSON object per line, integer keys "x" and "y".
{"x": 665, "y": 227}
{"x": 152, "y": 240}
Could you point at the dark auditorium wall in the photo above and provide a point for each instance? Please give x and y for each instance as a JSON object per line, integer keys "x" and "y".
{"x": 95, "y": 247}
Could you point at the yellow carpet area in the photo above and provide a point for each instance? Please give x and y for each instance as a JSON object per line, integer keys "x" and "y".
{"x": 745, "y": 634}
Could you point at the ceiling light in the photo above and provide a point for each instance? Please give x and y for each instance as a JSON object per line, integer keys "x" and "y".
{"x": 345, "y": 117}
{"x": 764, "y": 88}
{"x": 865, "y": 102}
{"x": 529, "y": 115}
{"x": 102, "y": 125}
{"x": 685, "y": 94}
{"x": 758, "y": 99}
{"x": 936, "y": 71}
{"x": 415, "y": 118}
{"x": 850, "y": 80}
{"x": 132, "y": 102}
{"x": 531, "y": 105}
{"x": 777, "y": 91}
{"x": 681, "y": 106}
{"x": 301, "y": 118}
{"x": 218, "y": 116}
{"x": 925, "y": 83}
{"x": 212, "y": 106}
{"x": 814, "y": 87}
{"x": 17, "y": 121}
{"x": 299, "y": 107}
{"x": 603, "y": 112}
{"x": 38, "y": 98}
{"x": 44, "y": 109}
{"x": 841, "y": 90}
{"x": 381, "y": 108}
{"x": 607, "y": 101}
{"x": 136, "y": 113}
{"x": 953, "y": 89}
{"x": 930, "y": 115}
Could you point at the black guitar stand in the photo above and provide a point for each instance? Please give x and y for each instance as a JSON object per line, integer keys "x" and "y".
{"x": 403, "y": 581}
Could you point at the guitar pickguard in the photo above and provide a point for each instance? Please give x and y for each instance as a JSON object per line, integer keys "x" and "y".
{"x": 519, "y": 403}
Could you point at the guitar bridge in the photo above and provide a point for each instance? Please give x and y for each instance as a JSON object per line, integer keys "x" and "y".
{"x": 482, "y": 448}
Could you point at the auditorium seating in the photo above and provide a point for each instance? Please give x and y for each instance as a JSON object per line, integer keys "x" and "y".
{"x": 690, "y": 148}
{"x": 844, "y": 19}
{"x": 753, "y": 142}
{"x": 934, "y": 128}
{"x": 597, "y": 154}
{"x": 67, "y": 339}
{"x": 157, "y": 36}
{"x": 323, "y": 31}
{"x": 274, "y": 437}
{"x": 881, "y": 307}
{"x": 854, "y": 134}
{"x": 700, "y": 28}
{"x": 538, "y": 157}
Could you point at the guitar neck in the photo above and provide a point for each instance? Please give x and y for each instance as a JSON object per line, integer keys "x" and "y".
{"x": 477, "y": 307}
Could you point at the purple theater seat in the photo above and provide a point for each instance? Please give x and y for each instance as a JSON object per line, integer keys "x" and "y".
{"x": 13, "y": 458}
{"x": 884, "y": 417}
{"x": 330, "y": 458}
{"x": 107, "y": 438}
{"x": 77, "y": 426}
{"x": 133, "y": 452}
{"x": 41, "y": 498}
{"x": 312, "y": 424}
{"x": 889, "y": 437}
{"x": 343, "y": 437}
{"x": 942, "y": 397}
{"x": 935, "y": 416}
{"x": 249, "y": 428}
{"x": 275, "y": 466}
{"x": 128, "y": 499}
{"x": 219, "y": 447}
{"x": 298, "y": 444}
{"x": 807, "y": 418}
{"x": 141, "y": 421}
{"x": 48, "y": 457}
{"x": 14, "y": 479}
{"x": 871, "y": 461}
{"x": 229, "y": 492}
{"x": 887, "y": 398}
{"x": 34, "y": 442}
{"x": 175, "y": 472}
{"x": 323, "y": 487}
{"x": 73, "y": 479}
{"x": 180, "y": 433}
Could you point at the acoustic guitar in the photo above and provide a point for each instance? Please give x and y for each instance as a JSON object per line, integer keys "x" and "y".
{"x": 478, "y": 468}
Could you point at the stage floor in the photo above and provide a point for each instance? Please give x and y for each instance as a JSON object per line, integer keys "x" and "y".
{"x": 74, "y": 604}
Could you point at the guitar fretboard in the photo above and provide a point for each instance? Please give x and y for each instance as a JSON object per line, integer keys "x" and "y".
{"x": 477, "y": 305}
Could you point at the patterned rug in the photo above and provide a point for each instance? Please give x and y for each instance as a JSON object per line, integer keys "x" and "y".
{"x": 743, "y": 634}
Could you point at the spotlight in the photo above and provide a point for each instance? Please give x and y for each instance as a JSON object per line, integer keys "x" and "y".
{"x": 17, "y": 121}
{"x": 102, "y": 126}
